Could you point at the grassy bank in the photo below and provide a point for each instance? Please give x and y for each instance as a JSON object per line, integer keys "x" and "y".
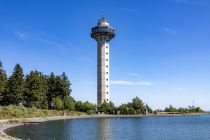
{"x": 13, "y": 112}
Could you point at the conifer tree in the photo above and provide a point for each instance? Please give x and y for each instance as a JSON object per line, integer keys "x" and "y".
{"x": 65, "y": 89}
{"x": 15, "y": 87}
{"x": 52, "y": 86}
{"x": 3, "y": 82}
{"x": 35, "y": 90}
{"x": 58, "y": 86}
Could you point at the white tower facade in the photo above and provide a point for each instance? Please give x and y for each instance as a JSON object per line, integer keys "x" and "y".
{"x": 103, "y": 33}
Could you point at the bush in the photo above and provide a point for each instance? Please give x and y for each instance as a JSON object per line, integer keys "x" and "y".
{"x": 57, "y": 103}
{"x": 84, "y": 107}
{"x": 69, "y": 103}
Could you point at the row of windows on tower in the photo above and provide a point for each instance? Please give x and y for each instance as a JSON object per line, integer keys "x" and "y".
{"x": 107, "y": 73}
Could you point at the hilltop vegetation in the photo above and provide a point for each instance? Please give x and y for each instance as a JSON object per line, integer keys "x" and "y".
{"x": 36, "y": 90}
{"x": 36, "y": 94}
{"x": 12, "y": 112}
{"x": 189, "y": 109}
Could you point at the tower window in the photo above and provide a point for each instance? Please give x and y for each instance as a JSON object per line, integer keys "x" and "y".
{"x": 107, "y": 73}
{"x": 107, "y": 53}
{"x": 107, "y": 100}
{"x": 107, "y": 92}
{"x": 107, "y": 59}
{"x": 107, "y": 86}
{"x": 107, "y": 66}
{"x": 107, "y": 79}
{"x": 107, "y": 47}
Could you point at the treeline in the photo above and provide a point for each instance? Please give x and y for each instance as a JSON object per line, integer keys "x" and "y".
{"x": 35, "y": 89}
{"x": 53, "y": 92}
{"x": 189, "y": 109}
{"x": 134, "y": 107}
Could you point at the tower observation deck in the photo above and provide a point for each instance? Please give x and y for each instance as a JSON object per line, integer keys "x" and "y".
{"x": 102, "y": 33}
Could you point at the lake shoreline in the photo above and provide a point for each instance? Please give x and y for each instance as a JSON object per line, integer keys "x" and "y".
{"x": 10, "y": 123}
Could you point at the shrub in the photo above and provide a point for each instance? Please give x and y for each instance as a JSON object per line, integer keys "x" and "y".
{"x": 57, "y": 103}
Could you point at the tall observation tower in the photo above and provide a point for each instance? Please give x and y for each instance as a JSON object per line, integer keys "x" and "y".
{"x": 102, "y": 33}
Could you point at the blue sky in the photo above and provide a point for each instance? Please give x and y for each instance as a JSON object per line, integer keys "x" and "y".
{"x": 161, "y": 52}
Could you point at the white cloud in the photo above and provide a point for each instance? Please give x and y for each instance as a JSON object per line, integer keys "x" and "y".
{"x": 134, "y": 74}
{"x": 63, "y": 47}
{"x": 170, "y": 31}
{"x": 130, "y": 83}
{"x": 179, "y": 89}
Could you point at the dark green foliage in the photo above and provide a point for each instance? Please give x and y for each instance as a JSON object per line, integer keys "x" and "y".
{"x": 138, "y": 105}
{"x": 170, "y": 109}
{"x": 148, "y": 108}
{"x": 107, "y": 108}
{"x": 57, "y": 86}
{"x": 85, "y": 107}
{"x": 69, "y": 103}
{"x": 123, "y": 109}
{"x": 53, "y": 92}
{"x": 57, "y": 103}
{"x": 3, "y": 82}
{"x": 190, "y": 109}
{"x": 52, "y": 88}
{"x": 135, "y": 107}
{"x": 182, "y": 110}
{"x": 15, "y": 87}
{"x": 64, "y": 85}
{"x": 35, "y": 90}
{"x": 126, "y": 109}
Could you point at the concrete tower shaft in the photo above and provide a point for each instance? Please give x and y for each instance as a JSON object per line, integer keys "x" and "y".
{"x": 102, "y": 33}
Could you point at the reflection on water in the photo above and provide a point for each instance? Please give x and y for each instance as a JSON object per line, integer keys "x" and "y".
{"x": 144, "y": 128}
{"x": 104, "y": 128}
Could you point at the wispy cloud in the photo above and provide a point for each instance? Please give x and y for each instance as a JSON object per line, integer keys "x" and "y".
{"x": 134, "y": 74}
{"x": 46, "y": 40}
{"x": 178, "y": 89}
{"x": 170, "y": 31}
{"x": 20, "y": 35}
{"x": 130, "y": 83}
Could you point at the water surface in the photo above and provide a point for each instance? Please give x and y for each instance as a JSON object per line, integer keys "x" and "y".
{"x": 142, "y": 128}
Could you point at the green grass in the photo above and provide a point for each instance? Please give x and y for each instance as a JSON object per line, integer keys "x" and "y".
{"x": 16, "y": 112}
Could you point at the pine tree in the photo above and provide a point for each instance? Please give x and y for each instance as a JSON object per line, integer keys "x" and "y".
{"x": 3, "y": 82}
{"x": 15, "y": 87}
{"x": 65, "y": 84}
{"x": 35, "y": 90}
{"x": 58, "y": 86}
{"x": 52, "y": 92}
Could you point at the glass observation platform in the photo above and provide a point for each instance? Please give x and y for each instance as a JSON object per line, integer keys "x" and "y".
{"x": 103, "y": 29}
